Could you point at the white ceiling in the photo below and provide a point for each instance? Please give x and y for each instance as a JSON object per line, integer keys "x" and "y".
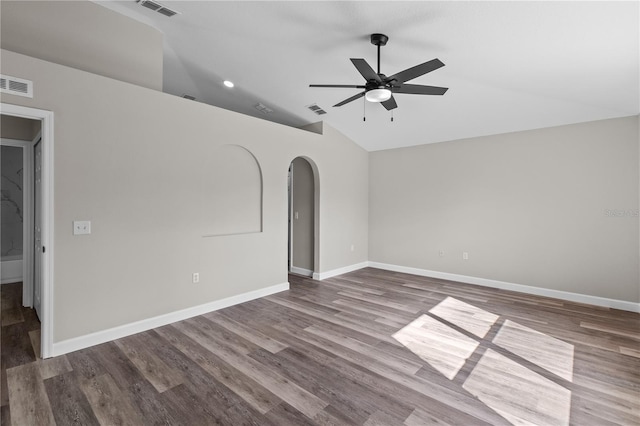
{"x": 510, "y": 66}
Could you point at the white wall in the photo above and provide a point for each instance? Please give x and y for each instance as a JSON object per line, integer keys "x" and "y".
{"x": 86, "y": 36}
{"x": 234, "y": 175}
{"x": 531, "y": 208}
{"x": 132, "y": 160}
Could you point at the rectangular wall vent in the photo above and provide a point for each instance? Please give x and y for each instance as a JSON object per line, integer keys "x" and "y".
{"x": 167, "y": 12}
{"x": 191, "y": 98}
{"x": 157, "y": 7}
{"x": 315, "y": 108}
{"x": 263, "y": 108}
{"x": 16, "y": 86}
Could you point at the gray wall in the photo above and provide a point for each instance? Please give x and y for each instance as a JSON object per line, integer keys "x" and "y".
{"x": 302, "y": 190}
{"x": 86, "y": 36}
{"x": 18, "y": 128}
{"x": 12, "y": 184}
{"x": 11, "y": 187}
{"x": 537, "y": 208}
{"x": 134, "y": 162}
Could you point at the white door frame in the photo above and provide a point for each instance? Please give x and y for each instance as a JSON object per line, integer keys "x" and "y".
{"x": 46, "y": 118}
{"x": 290, "y": 218}
{"x": 27, "y": 214}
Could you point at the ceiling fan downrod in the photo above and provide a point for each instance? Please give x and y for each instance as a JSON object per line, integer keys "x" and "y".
{"x": 379, "y": 40}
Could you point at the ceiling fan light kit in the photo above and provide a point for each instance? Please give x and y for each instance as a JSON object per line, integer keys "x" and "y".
{"x": 380, "y": 88}
{"x": 380, "y": 94}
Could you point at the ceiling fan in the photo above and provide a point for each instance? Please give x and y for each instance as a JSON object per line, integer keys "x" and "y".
{"x": 380, "y": 88}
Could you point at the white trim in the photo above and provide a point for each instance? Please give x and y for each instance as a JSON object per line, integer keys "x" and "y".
{"x": 324, "y": 275}
{"x": 46, "y": 117}
{"x": 27, "y": 231}
{"x": 290, "y": 217}
{"x": 538, "y": 291}
{"x": 12, "y": 270}
{"x": 6, "y": 88}
{"x": 301, "y": 271}
{"x": 29, "y": 255}
{"x": 81, "y": 342}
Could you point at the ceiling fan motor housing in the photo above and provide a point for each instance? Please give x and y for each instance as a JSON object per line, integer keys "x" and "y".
{"x": 379, "y": 39}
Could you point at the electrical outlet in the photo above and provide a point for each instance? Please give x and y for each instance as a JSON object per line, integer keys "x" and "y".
{"x": 465, "y": 255}
{"x": 353, "y": 248}
{"x": 195, "y": 278}
{"x": 81, "y": 227}
{"x": 441, "y": 253}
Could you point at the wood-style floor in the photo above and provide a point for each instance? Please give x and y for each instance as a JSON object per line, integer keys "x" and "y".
{"x": 366, "y": 348}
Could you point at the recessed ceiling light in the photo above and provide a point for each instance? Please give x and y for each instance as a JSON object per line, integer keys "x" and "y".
{"x": 228, "y": 83}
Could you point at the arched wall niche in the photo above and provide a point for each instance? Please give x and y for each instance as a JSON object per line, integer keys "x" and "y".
{"x": 232, "y": 192}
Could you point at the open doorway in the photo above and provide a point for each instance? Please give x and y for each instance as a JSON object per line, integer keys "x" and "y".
{"x": 302, "y": 218}
{"x": 20, "y": 284}
{"x": 27, "y": 229}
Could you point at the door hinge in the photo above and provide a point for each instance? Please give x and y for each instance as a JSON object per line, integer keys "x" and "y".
{"x": 43, "y": 250}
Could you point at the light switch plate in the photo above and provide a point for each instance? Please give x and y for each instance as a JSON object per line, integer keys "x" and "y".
{"x": 81, "y": 227}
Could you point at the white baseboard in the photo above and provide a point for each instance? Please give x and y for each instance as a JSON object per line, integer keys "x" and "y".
{"x": 301, "y": 271}
{"x": 538, "y": 291}
{"x": 11, "y": 271}
{"x": 324, "y": 275}
{"x": 77, "y": 343}
{"x": 81, "y": 342}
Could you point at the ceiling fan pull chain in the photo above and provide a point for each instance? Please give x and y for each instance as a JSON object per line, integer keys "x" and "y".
{"x": 392, "y": 116}
{"x": 364, "y": 110}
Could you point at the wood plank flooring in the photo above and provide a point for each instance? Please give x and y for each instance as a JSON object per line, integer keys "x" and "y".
{"x": 366, "y": 348}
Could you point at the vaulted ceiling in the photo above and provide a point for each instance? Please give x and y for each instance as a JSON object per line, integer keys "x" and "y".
{"x": 510, "y": 66}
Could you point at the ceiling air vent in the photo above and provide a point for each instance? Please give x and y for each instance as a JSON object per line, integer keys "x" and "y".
{"x": 157, "y": 7}
{"x": 16, "y": 86}
{"x": 263, "y": 108}
{"x": 315, "y": 108}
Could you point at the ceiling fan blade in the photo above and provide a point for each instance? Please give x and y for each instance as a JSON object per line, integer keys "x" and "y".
{"x": 365, "y": 69}
{"x": 416, "y": 71}
{"x": 339, "y": 86}
{"x": 353, "y": 98}
{"x": 346, "y": 86}
{"x": 390, "y": 104}
{"x": 416, "y": 89}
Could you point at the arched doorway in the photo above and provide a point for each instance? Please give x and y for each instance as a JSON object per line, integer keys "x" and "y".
{"x": 303, "y": 191}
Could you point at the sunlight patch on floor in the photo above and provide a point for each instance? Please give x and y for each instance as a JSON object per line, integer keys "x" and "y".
{"x": 444, "y": 348}
{"x": 550, "y": 353}
{"x": 500, "y": 381}
{"x": 474, "y": 320}
{"x": 517, "y": 393}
